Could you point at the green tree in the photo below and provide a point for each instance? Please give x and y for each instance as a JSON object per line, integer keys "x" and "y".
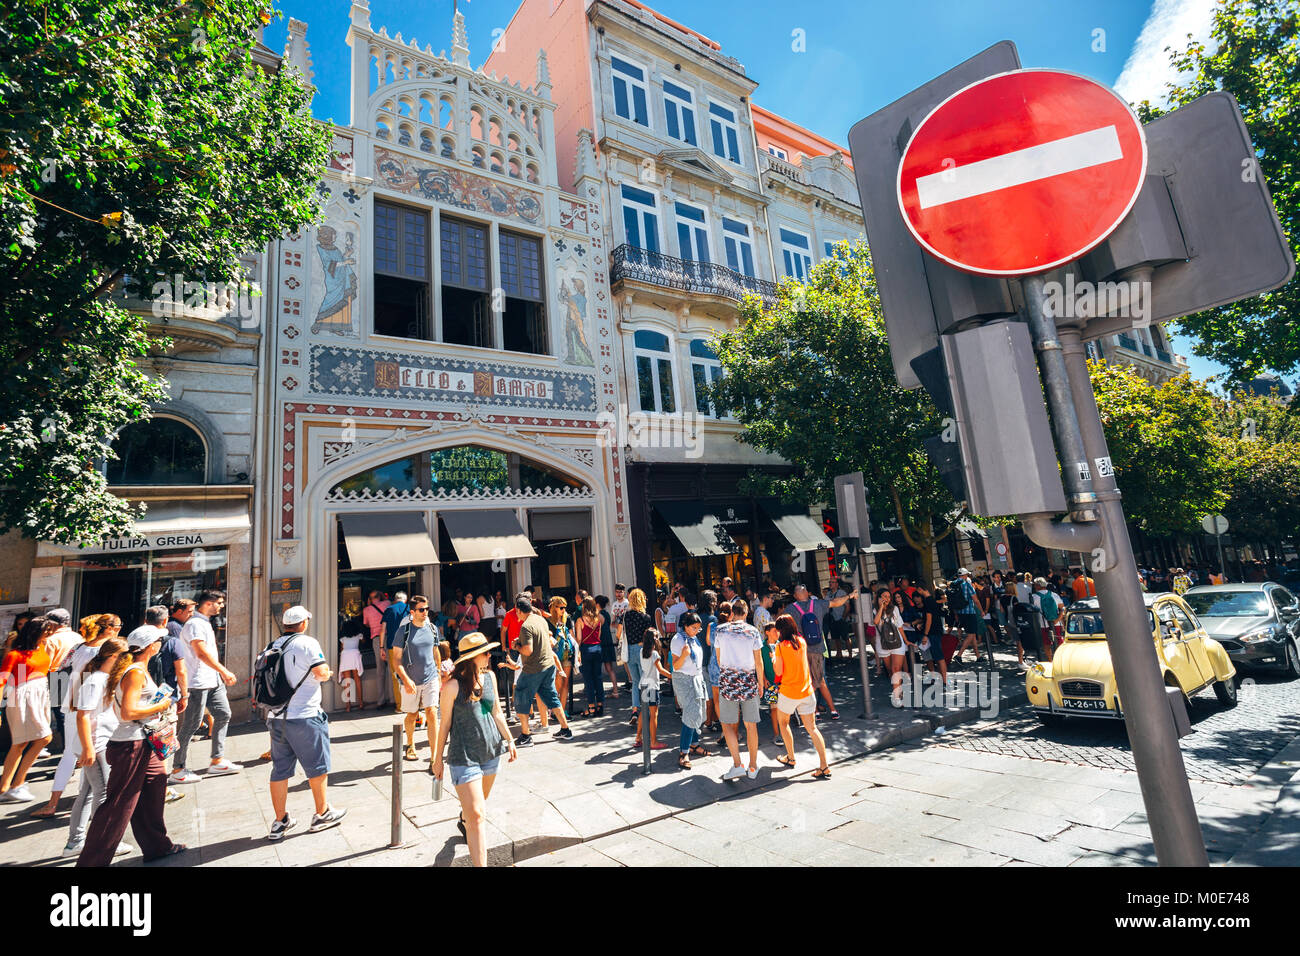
{"x": 1263, "y": 486}
{"x": 1266, "y": 417}
{"x": 1255, "y": 56}
{"x": 811, "y": 380}
{"x": 137, "y": 138}
{"x": 1169, "y": 461}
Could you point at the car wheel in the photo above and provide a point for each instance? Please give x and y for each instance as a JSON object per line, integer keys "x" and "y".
{"x": 1226, "y": 691}
{"x": 1292, "y": 666}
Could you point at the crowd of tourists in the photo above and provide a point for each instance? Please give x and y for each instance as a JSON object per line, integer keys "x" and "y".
{"x": 126, "y": 710}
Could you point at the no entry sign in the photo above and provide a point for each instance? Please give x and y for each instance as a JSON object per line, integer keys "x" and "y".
{"x": 1021, "y": 172}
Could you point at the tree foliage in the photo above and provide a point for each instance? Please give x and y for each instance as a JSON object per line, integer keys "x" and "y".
{"x": 1255, "y": 56}
{"x": 1169, "y": 460}
{"x": 811, "y": 380}
{"x": 137, "y": 137}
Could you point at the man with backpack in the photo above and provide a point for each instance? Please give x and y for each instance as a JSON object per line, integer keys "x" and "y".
{"x": 808, "y": 613}
{"x": 965, "y": 604}
{"x": 393, "y": 615}
{"x": 287, "y": 679}
{"x": 1050, "y": 609}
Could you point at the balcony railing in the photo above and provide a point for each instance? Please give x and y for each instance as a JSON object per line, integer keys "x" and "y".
{"x": 706, "y": 278}
{"x": 786, "y": 168}
{"x": 1130, "y": 343}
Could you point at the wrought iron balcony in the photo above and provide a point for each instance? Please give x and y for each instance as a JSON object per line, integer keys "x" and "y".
{"x": 1130, "y": 343}
{"x": 706, "y": 278}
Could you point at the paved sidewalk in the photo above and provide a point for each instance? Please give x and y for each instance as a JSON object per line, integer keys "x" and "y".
{"x": 927, "y": 803}
{"x": 558, "y": 794}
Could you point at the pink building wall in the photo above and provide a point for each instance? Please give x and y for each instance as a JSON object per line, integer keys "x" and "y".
{"x": 769, "y": 128}
{"x": 560, "y": 28}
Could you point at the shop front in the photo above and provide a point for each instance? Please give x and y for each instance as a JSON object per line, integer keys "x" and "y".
{"x": 450, "y": 524}
{"x": 178, "y": 550}
{"x": 692, "y": 525}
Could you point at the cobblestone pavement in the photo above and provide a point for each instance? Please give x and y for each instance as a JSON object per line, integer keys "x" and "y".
{"x": 1228, "y": 746}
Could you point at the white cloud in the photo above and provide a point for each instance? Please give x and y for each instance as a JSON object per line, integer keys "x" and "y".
{"x": 1147, "y": 69}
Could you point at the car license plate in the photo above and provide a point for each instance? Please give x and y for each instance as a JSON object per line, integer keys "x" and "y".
{"x": 1068, "y": 703}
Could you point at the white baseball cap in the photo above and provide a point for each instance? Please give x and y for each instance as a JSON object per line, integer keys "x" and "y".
{"x": 143, "y": 636}
{"x": 296, "y": 615}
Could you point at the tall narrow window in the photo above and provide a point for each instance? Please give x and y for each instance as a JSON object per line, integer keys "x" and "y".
{"x": 629, "y": 91}
{"x": 739, "y": 247}
{"x": 706, "y": 370}
{"x": 679, "y": 112}
{"x": 524, "y": 319}
{"x": 692, "y": 233}
{"x": 402, "y": 272}
{"x": 725, "y": 134}
{"x": 796, "y": 251}
{"x": 466, "y": 302}
{"x": 654, "y": 371}
{"x": 640, "y": 219}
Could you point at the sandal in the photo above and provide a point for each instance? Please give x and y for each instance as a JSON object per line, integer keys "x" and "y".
{"x": 683, "y": 762}
{"x": 410, "y": 754}
{"x": 600, "y": 710}
{"x": 658, "y": 745}
{"x": 698, "y": 750}
{"x": 835, "y": 715}
{"x": 176, "y": 848}
{"x": 460, "y": 825}
{"x": 638, "y": 745}
{"x": 45, "y": 813}
{"x": 822, "y": 773}
{"x": 785, "y": 760}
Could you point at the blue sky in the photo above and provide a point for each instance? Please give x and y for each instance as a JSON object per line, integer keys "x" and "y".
{"x": 856, "y": 57}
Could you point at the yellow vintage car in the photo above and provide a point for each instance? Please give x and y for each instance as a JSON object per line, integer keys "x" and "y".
{"x": 1080, "y": 680}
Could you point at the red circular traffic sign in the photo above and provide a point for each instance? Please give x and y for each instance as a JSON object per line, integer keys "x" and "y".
{"x": 1021, "y": 172}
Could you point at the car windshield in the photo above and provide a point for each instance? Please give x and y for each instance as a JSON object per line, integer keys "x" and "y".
{"x": 1084, "y": 624}
{"x": 1228, "y": 604}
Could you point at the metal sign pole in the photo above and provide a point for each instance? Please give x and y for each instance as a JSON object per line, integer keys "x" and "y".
{"x": 1162, "y": 776}
{"x": 1223, "y": 568}
{"x": 855, "y": 522}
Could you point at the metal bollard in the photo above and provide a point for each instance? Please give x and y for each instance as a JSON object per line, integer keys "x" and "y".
{"x": 396, "y": 839}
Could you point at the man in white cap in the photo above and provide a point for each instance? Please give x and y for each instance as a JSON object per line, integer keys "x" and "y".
{"x": 300, "y": 731}
{"x": 968, "y": 616}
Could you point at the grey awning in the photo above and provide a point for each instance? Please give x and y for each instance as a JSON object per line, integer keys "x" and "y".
{"x": 797, "y": 526}
{"x": 560, "y": 525}
{"x": 486, "y": 535}
{"x": 387, "y": 539}
{"x": 697, "y": 528}
{"x": 879, "y": 548}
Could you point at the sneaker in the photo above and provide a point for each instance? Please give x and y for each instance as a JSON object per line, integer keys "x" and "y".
{"x": 752, "y": 774}
{"x": 17, "y": 795}
{"x": 323, "y": 821}
{"x": 524, "y": 740}
{"x": 71, "y": 851}
{"x": 223, "y": 767}
{"x": 734, "y": 773}
{"x": 173, "y": 795}
{"x": 940, "y": 731}
{"x": 123, "y": 849}
{"x": 280, "y": 827}
{"x": 564, "y": 734}
{"x": 183, "y": 776}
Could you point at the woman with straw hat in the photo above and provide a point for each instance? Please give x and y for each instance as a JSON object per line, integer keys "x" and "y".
{"x": 472, "y": 738}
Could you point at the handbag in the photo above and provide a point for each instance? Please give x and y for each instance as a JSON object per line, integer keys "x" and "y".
{"x": 770, "y": 693}
{"x": 160, "y": 734}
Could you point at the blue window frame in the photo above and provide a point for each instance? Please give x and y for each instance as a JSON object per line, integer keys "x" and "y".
{"x": 640, "y": 218}
{"x": 679, "y": 112}
{"x": 725, "y": 133}
{"x": 692, "y": 233}
{"x": 739, "y": 248}
{"x": 629, "y": 91}
{"x": 796, "y": 251}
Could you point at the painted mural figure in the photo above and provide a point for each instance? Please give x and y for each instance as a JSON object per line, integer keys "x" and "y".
{"x": 335, "y": 313}
{"x": 575, "y": 324}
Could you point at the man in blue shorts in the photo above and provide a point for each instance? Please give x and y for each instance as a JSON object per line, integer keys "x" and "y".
{"x": 536, "y": 672}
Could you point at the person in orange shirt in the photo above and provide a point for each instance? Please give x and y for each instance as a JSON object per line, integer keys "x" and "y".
{"x": 26, "y": 666}
{"x": 790, "y": 662}
{"x": 1083, "y": 586}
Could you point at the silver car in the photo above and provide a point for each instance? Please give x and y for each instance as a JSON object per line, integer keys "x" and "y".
{"x": 1257, "y": 624}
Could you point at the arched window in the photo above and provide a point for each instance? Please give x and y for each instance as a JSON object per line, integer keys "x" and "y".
{"x": 161, "y": 451}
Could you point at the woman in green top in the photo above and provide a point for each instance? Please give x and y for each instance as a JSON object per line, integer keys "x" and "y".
{"x": 770, "y": 636}
{"x": 473, "y": 739}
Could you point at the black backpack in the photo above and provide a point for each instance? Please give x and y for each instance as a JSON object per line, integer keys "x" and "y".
{"x": 956, "y": 599}
{"x": 271, "y": 687}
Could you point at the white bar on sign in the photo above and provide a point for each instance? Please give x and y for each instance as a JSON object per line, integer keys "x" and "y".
{"x": 1022, "y": 166}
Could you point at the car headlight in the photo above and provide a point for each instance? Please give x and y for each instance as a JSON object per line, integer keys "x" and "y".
{"x": 1254, "y": 637}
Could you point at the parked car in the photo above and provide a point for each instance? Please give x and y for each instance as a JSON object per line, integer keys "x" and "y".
{"x": 1257, "y": 624}
{"x": 1079, "y": 681}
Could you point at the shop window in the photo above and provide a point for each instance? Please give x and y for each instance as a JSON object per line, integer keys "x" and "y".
{"x": 466, "y": 303}
{"x": 654, "y": 371}
{"x": 393, "y": 476}
{"x": 524, "y": 318}
{"x": 402, "y": 272}
{"x": 161, "y": 451}
{"x": 706, "y": 371}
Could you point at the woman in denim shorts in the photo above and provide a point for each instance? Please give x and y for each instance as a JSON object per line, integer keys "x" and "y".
{"x": 473, "y": 738}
